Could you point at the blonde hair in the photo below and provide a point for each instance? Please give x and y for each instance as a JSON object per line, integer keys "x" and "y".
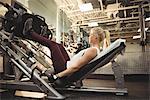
{"x": 107, "y": 36}
{"x": 99, "y": 32}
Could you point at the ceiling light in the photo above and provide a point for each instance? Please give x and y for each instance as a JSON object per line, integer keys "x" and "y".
{"x": 147, "y": 19}
{"x": 86, "y": 7}
{"x": 139, "y": 30}
{"x": 92, "y": 24}
{"x": 137, "y": 37}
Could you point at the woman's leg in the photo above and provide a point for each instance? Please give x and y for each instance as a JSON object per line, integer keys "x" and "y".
{"x": 58, "y": 53}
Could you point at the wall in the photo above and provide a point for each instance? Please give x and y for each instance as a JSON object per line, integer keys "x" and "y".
{"x": 3, "y": 9}
{"x": 45, "y": 8}
{"x": 48, "y": 9}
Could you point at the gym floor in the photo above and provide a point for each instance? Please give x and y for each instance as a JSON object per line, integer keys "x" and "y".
{"x": 138, "y": 89}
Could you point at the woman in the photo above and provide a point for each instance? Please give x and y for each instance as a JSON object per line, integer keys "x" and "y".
{"x": 83, "y": 57}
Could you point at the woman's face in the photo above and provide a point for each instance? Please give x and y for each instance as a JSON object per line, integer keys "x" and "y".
{"x": 92, "y": 37}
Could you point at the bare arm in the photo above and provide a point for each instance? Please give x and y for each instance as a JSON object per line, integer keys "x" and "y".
{"x": 86, "y": 58}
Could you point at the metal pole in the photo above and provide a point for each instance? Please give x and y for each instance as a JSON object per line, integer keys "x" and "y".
{"x": 142, "y": 25}
{"x": 58, "y": 26}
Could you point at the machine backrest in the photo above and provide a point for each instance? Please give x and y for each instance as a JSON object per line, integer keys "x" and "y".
{"x": 102, "y": 59}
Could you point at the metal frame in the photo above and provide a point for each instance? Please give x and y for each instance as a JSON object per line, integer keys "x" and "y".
{"x": 33, "y": 75}
{"x": 70, "y": 7}
{"x": 100, "y": 15}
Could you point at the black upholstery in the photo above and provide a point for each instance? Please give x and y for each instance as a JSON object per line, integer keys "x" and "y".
{"x": 89, "y": 68}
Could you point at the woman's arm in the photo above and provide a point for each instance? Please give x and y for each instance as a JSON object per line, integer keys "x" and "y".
{"x": 86, "y": 58}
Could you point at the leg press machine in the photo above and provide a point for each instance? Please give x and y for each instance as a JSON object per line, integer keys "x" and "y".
{"x": 17, "y": 64}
